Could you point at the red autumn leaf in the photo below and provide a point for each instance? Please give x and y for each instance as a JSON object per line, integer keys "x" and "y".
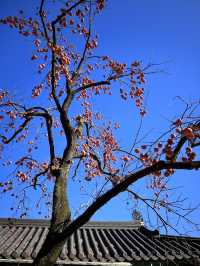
{"x": 188, "y": 133}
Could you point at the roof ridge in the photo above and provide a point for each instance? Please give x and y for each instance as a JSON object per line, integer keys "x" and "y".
{"x": 180, "y": 237}
{"x": 16, "y": 221}
{"x": 46, "y": 222}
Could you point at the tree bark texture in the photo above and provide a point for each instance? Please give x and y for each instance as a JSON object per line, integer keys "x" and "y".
{"x": 61, "y": 216}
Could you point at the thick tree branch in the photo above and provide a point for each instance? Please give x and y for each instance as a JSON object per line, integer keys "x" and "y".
{"x": 48, "y": 120}
{"x": 62, "y": 109}
{"x": 68, "y": 100}
{"x": 128, "y": 180}
{"x": 53, "y": 65}
{"x": 19, "y": 130}
{"x": 70, "y": 93}
{"x": 95, "y": 84}
{"x": 41, "y": 13}
{"x": 195, "y": 144}
{"x": 178, "y": 148}
{"x": 99, "y": 83}
{"x": 76, "y": 72}
{"x": 53, "y": 59}
{"x": 50, "y": 139}
{"x": 69, "y": 97}
{"x": 68, "y": 149}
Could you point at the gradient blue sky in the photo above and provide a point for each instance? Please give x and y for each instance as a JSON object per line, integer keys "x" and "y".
{"x": 152, "y": 31}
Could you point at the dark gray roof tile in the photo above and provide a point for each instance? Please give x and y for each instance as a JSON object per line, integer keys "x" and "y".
{"x": 102, "y": 246}
{"x": 23, "y": 245}
{"x": 33, "y": 241}
{"x": 10, "y": 242}
{"x": 12, "y": 249}
{"x": 95, "y": 245}
{"x": 21, "y": 240}
{"x": 109, "y": 246}
{"x": 40, "y": 242}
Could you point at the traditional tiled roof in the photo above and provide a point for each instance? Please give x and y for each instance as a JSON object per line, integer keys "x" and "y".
{"x": 97, "y": 243}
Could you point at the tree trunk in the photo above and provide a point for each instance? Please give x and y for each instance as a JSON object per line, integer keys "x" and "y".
{"x": 49, "y": 252}
{"x": 61, "y": 216}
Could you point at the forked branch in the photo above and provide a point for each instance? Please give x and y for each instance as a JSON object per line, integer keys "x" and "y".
{"x": 48, "y": 120}
{"x": 35, "y": 178}
{"x": 16, "y": 133}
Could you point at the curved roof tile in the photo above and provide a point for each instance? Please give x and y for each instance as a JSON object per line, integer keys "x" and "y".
{"x": 95, "y": 242}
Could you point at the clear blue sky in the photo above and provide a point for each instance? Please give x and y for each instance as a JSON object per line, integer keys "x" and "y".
{"x": 152, "y": 31}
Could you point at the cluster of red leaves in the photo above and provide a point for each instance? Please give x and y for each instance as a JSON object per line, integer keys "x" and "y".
{"x": 92, "y": 44}
{"x": 8, "y": 110}
{"x": 119, "y": 71}
{"x": 37, "y": 90}
{"x": 92, "y": 169}
{"x": 106, "y": 145}
{"x": 189, "y": 131}
{"x": 28, "y": 165}
{"x": 68, "y": 19}
{"x": 98, "y": 150}
{"x": 190, "y": 154}
{"x": 117, "y": 68}
{"x": 110, "y": 145}
{"x": 26, "y": 27}
{"x": 136, "y": 89}
{"x": 169, "y": 150}
{"x": 22, "y": 176}
{"x": 63, "y": 60}
{"x": 136, "y": 77}
{"x": 177, "y": 146}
